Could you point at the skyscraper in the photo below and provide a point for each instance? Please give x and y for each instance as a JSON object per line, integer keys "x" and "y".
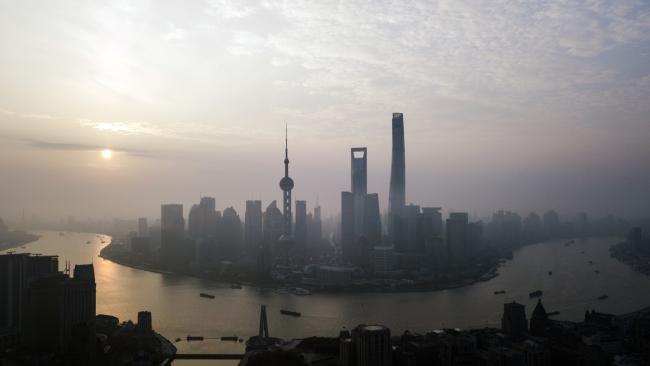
{"x": 397, "y": 192}
{"x": 372, "y": 219}
{"x": 359, "y": 170}
{"x": 143, "y": 229}
{"x": 172, "y": 229}
{"x": 347, "y": 226}
{"x": 286, "y": 184}
{"x": 315, "y": 230}
{"x": 230, "y": 235}
{"x": 301, "y": 225}
{"x": 253, "y": 226}
{"x": 457, "y": 235}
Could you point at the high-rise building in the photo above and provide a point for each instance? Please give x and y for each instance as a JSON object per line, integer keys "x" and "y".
{"x": 203, "y": 219}
{"x": 373, "y": 346}
{"x": 143, "y": 228}
{"x": 172, "y": 234}
{"x": 286, "y": 184}
{"x": 300, "y": 232}
{"x": 230, "y": 235}
{"x": 397, "y": 192}
{"x": 347, "y": 226}
{"x": 513, "y": 321}
{"x": 315, "y": 230}
{"x": 423, "y": 231}
{"x": 17, "y": 272}
{"x": 372, "y": 219}
{"x": 359, "y": 186}
{"x": 436, "y": 217}
{"x": 58, "y": 303}
{"x": 273, "y": 224}
{"x": 457, "y": 236}
{"x": 551, "y": 224}
{"x": 253, "y": 234}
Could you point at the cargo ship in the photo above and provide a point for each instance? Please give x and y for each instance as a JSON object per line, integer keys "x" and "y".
{"x": 289, "y": 312}
{"x": 208, "y": 296}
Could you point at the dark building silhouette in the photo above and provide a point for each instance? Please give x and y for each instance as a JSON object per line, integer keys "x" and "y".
{"x": 532, "y": 228}
{"x": 359, "y": 186}
{"x": 436, "y": 220}
{"x": 286, "y": 185}
{"x": 17, "y": 272}
{"x": 347, "y": 226}
{"x": 143, "y": 228}
{"x": 203, "y": 219}
{"x": 372, "y": 219}
{"x": 315, "y": 229}
{"x": 372, "y": 345}
{"x": 172, "y": 235}
{"x": 423, "y": 231}
{"x": 253, "y": 224}
{"x": 513, "y": 322}
{"x": 230, "y": 236}
{"x": 539, "y": 320}
{"x": 457, "y": 236}
{"x": 56, "y": 304}
{"x": 397, "y": 191}
{"x": 551, "y": 224}
{"x": 300, "y": 232}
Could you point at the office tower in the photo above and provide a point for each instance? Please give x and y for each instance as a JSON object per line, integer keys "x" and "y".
{"x": 253, "y": 223}
{"x": 347, "y": 226}
{"x": 273, "y": 224}
{"x": 143, "y": 229}
{"x": 397, "y": 192}
{"x": 203, "y": 219}
{"x": 17, "y": 271}
{"x": 144, "y": 321}
{"x": 286, "y": 184}
{"x": 315, "y": 230}
{"x": 505, "y": 229}
{"x": 300, "y": 232}
{"x": 436, "y": 217}
{"x": 56, "y": 305}
{"x": 474, "y": 238}
{"x": 230, "y": 235}
{"x": 532, "y": 228}
{"x": 423, "y": 231}
{"x": 373, "y": 347}
{"x": 172, "y": 234}
{"x": 457, "y": 236}
{"x": 372, "y": 219}
{"x": 383, "y": 259}
{"x": 359, "y": 185}
{"x": 513, "y": 321}
{"x": 551, "y": 224}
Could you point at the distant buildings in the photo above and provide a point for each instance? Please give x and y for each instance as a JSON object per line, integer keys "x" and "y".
{"x": 172, "y": 232}
{"x": 457, "y": 236}
{"x": 253, "y": 226}
{"x": 397, "y": 191}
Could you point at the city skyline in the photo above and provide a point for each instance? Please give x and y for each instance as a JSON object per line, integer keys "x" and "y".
{"x": 548, "y": 109}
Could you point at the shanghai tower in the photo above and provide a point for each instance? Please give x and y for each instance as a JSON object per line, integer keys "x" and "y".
{"x": 397, "y": 192}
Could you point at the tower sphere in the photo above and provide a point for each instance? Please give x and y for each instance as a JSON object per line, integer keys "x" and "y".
{"x": 286, "y": 184}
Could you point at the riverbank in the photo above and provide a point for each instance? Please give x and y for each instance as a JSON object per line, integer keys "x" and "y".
{"x": 486, "y": 272}
{"x": 628, "y": 254}
{"x": 15, "y": 239}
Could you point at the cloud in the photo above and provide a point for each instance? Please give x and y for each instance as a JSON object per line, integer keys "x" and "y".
{"x": 59, "y": 146}
{"x": 175, "y": 33}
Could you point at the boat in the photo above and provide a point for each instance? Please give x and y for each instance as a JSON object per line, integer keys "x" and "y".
{"x": 178, "y": 340}
{"x": 591, "y": 262}
{"x": 236, "y": 286}
{"x": 596, "y": 271}
{"x": 537, "y": 293}
{"x": 88, "y": 242}
{"x": 500, "y": 292}
{"x": 300, "y": 291}
{"x": 194, "y": 338}
{"x": 602, "y": 297}
{"x": 289, "y": 312}
{"x": 61, "y": 234}
{"x": 230, "y": 338}
{"x": 553, "y": 313}
{"x": 202, "y": 294}
{"x": 550, "y": 273}
{"x": 282, "y": 291}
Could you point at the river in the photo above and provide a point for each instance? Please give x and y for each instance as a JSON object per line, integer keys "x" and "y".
{"x": 178, "y": 310}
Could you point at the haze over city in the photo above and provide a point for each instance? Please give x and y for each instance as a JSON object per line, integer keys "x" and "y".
{"x": 506, "y": 105}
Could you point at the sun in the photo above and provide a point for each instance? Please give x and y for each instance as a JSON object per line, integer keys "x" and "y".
{"x": 107, "y": 154}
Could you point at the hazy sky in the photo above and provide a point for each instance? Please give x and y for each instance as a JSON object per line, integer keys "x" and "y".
{"x": 522, "y": 105}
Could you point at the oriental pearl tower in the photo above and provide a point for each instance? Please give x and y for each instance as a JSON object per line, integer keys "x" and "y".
{"x": 285, "y": 242}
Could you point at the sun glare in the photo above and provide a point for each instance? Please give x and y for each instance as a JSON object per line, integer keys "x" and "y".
{"x": 107, "y": 154}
